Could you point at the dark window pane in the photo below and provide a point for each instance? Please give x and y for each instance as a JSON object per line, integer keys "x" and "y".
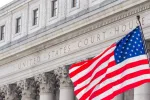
{"x": 2, "y": 32}
{"x": 18, "y": 25}
{"x": 35, "y": 17}
{"x": 54, "y": 8}
{"x": 74, "y": 3}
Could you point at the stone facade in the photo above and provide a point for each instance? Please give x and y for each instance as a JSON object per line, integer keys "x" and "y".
{"x": 34, "y": 62}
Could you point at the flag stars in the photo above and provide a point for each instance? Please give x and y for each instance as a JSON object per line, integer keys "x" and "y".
{"x": 135, "y": 42}
{"x": 132, "y": 50}
{"x": 130, "y": 46}
{"x": 139, "y": 45}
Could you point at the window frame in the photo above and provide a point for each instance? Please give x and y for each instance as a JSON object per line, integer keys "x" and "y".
{"x": 54, "y": 8}
{"x": 74, "y": 3}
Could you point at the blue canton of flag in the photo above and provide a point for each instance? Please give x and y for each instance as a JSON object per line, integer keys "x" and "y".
{"x": 130, "y": 46}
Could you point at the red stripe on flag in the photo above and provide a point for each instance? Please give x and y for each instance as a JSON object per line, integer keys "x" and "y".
{"x": 109, "y": 86}
{"x": 90, "y": 72}
{"x": 127, "y": 66}
{"x": 85, "y": 66}
{"x": 77, "y": 64}
{"x": 96, "y": 76}
{"x": 134, "y": 64}
{"x": 128, "y": 87}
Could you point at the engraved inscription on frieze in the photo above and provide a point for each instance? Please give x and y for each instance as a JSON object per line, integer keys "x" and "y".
{"x": 92, "y": 38}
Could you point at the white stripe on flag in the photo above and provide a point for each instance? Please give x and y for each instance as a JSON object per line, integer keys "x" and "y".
{"x": 119, "y": 86}
{"x": 89, "y": 68}
{"x": 127, "y": 61}
{"x": 96, "y": 81}
{"x": 85, "y": 82}
{"x": 117, "y": 77}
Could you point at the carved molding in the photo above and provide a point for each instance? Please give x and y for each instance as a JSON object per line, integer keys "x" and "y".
{"x": 27, "y": 88}
{"x": 9, "y": 92}
{"x": 63, "y": 78}
{"x": 46, "y": 82}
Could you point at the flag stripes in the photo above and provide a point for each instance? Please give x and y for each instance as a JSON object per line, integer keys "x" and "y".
{"x": 128, "y": 84}
{"x": 122, "y": 66}
{"x": 86, "y": 85}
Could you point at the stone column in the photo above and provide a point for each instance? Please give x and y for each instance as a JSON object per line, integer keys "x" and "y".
{"x": 57, "y": 93}
{"x": 119, "y": 97}
{"x": 142, "y": 92}
{"x": 47, "y": 85}
{"x": 129, "y": 95}
{"x": 27, "y": 88}
{"x": 9, "y": 92}
{"x": 66, "y": 88}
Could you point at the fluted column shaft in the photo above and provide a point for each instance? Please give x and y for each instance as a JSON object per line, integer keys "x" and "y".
{"x": 66, "y": 87}
{"x": 129, "y": 95}
{"x": 47, "y": 85}
{"x": 46, "y": 94}
{"x": 57, "y": 94}
{"x": 142, "y": 92}
{"x": 119, "y": 97}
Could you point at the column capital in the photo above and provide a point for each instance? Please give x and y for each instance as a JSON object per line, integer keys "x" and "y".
{"x": 27, "y": 87}
{"x": 62, "y": 76}
{"x": 46, "y": 82}
{"x": 9, "y": 92}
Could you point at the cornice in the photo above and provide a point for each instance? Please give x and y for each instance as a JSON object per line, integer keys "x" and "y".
{"x": 8, "y": 8}
{"x": 92, "y": 22}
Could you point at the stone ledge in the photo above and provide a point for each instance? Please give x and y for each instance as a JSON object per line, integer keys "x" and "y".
{"x": 77, "y": 25}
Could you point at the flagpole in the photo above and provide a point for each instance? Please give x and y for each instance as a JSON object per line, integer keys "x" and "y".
{"x": 143, "y": 38}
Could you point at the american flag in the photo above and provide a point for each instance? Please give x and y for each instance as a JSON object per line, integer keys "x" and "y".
{"x": 122, "y": 66}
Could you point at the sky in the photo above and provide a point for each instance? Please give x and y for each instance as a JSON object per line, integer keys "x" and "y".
{"x": 3, "y": 2}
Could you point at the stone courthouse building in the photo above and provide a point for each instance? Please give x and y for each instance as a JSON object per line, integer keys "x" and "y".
{"x": 40, "y": 39}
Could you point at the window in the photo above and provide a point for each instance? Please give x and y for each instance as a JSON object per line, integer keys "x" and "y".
{"x": 2, "y": 28}
{"x": 74, "y": 3}
{"x": 54, "y": 8}
{"x": 18, "y": 25}
{"x": 35, "y": 17}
